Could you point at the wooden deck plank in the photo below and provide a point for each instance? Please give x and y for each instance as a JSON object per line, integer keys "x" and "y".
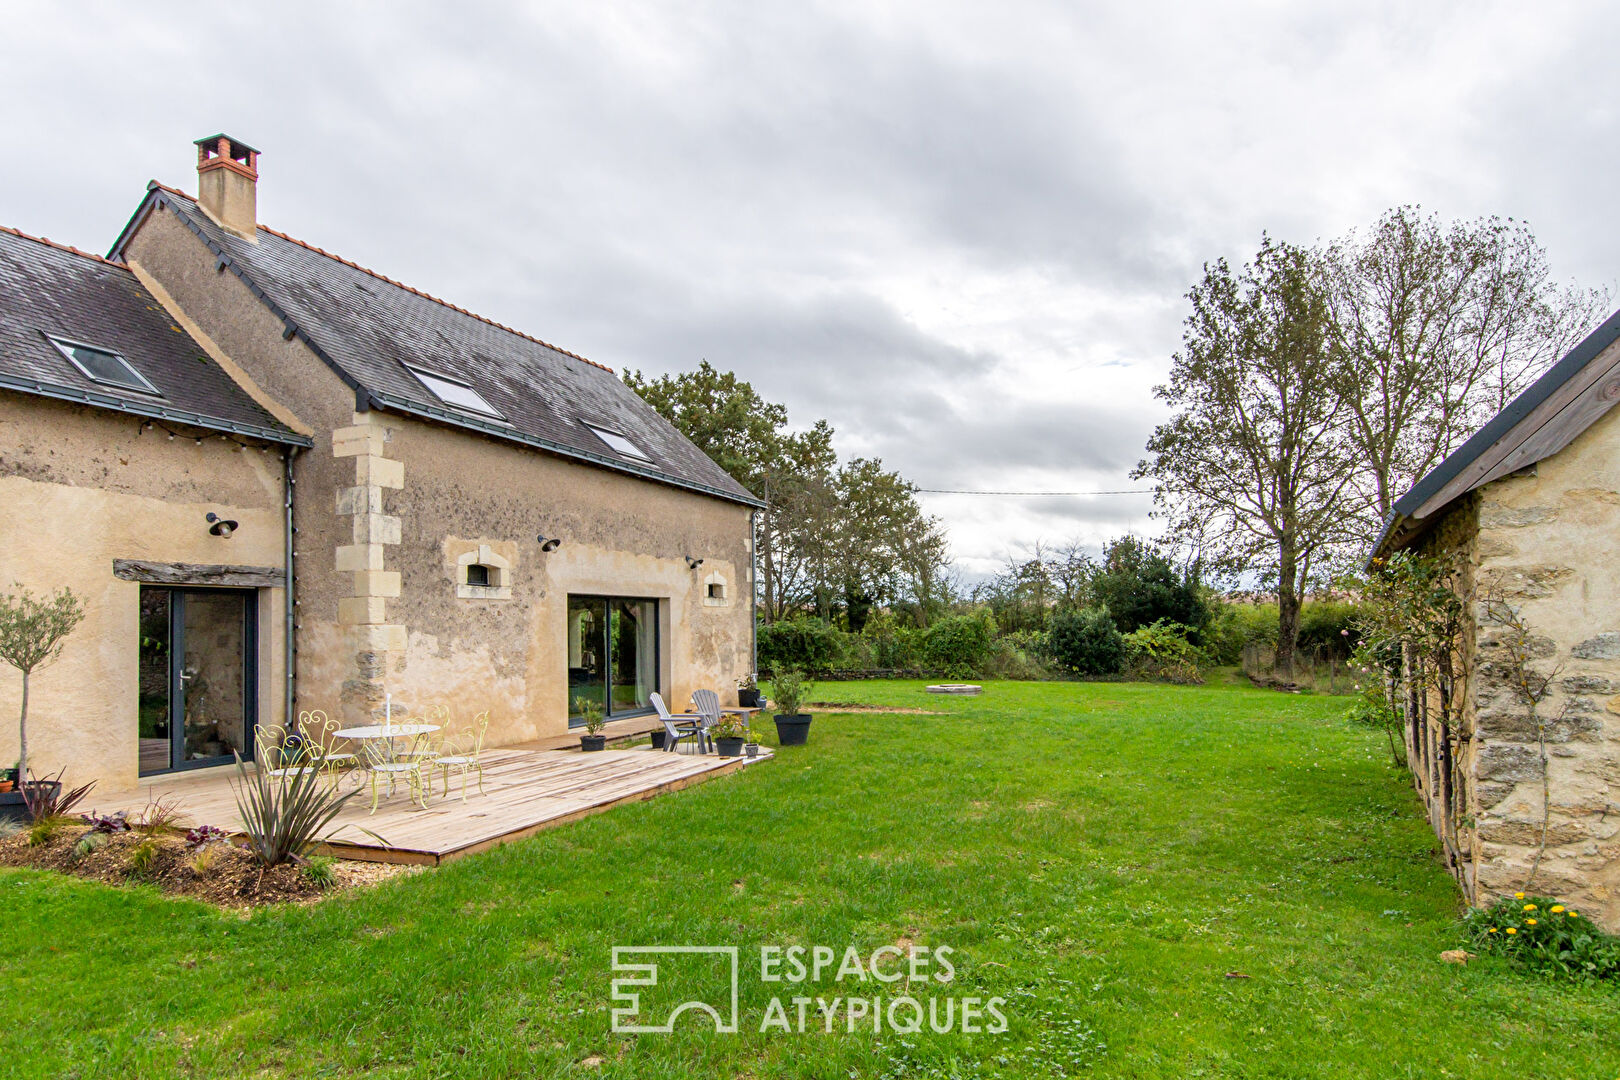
{"x": 525, "y": 791}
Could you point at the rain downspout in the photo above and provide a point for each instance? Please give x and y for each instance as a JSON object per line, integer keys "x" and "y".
{"x": 289, "y": 593}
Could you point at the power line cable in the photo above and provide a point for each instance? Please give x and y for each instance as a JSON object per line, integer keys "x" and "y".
{"x": 1027, "y": 494}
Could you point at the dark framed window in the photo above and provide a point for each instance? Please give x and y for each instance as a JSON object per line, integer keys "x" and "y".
{"x": 613, "y": 654}
{"x": 103, "y": 366}
{"x": 477, "y": 574}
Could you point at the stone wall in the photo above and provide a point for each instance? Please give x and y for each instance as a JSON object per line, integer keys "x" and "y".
{"x": 82, "y": 487}
{"x": 1549, "y": 544}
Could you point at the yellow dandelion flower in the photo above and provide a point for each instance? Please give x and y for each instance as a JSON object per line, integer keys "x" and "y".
{"x": 1529, "y": 922}
{"x": 1529, "y": 907}
{"x": 1518, "y": 896}
{"x": 1512, "y": 930}
{"x": 1557, "y": 909}
{"x": 1492, "y": 930}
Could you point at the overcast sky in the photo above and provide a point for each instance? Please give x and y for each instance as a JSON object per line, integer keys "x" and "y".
{"x": 961, "y": 233}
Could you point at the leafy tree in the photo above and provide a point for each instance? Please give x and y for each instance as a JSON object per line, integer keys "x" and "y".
{"x": 1086, "y": 642}
{"x": 853, "y": 538}
{"x": 723, "y": 415}
{"x": 1252, "y": 468}
{"x": 1434, "y": 328}
{"x": 1139, "y": 587}
{"x": 32, "y": 633}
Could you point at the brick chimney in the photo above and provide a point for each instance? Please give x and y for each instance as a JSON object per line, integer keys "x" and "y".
{"x": 227, "y": 183}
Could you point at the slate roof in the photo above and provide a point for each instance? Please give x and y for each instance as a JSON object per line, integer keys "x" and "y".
{"x": 367, "y": 327}
{"x": 49, "y": 288}
{"x": 1527, "y": 416}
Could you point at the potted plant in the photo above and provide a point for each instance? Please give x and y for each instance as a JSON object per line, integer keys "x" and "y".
{"x": 590, "y": 710}
{"x": 31, "y": 635}
{"x": 751, "y": 743}
{"x": 792, "y": 726}
{"x": 748, "y": 692}
{"x": 728, "y": 735}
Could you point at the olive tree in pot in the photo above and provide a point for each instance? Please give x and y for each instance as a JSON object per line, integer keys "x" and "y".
{"x": 789, "y": 689}
{"x": 590, "y": 710}
{"x": 32, "y": 632}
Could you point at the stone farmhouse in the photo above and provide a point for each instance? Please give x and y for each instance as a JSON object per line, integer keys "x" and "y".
{"x": 281, "y": 481}
{"x": 1528, "y": 512}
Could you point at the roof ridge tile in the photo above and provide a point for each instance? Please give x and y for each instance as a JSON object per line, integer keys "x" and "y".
{"x": 401, "y": 285}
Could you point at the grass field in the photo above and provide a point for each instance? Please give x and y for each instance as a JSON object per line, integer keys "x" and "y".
{"x": 1101, "y": 856}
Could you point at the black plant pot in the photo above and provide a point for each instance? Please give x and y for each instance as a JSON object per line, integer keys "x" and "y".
{"x": 749, "y": 699}
{"x": 592, "y": 742}
{"x": 658, "y": 738}
{"x": 792, "y": 730}
{"x": 752, "y": 749}
{"x": 729, "y": 747}
{"x": 12, "y": 806}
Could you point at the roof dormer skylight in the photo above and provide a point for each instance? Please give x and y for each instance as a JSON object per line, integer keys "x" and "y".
{"x": 104, "y": 366}
{"x": 455, "y": 393}
{"x": 621, "y": 445}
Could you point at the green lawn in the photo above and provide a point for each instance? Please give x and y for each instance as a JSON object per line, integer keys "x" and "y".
{"x": 1099, "y": 855}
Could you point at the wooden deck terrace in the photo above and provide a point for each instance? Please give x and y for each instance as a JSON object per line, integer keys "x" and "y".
{"x": 524, "y": 792}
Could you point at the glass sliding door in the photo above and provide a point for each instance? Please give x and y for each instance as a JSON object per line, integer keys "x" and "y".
{"x": 198, "y": 676}
{"x": 633, "y": 653}
{"x": 612, "y": 653}
{"x": 587, "y": 653}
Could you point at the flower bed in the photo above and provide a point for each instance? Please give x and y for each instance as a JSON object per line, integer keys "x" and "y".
{"x": 217, "y": 872}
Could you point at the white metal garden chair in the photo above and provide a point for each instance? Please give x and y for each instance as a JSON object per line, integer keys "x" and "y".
{"x": 280, "y": 754}
{"x": 319, "y": 734}
{"x": 382, "y": 765}
{"x": 461, "y": 751}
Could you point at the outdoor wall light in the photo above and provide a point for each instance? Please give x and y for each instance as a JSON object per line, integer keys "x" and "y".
{"x": 221, "y": 527}
{"x": 693, "y": 564}
{"x": 548, "y": 545}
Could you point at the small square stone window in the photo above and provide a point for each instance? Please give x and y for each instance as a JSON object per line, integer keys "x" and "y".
{"x": 481, "y": 574}
{"x": 717, "y": 591}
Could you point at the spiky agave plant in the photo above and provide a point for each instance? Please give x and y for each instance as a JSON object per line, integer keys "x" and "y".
{"x": 284, "y": 816}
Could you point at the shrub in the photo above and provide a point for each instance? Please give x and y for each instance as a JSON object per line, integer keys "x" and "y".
{"x": 143, "y": 857}
{"x": 1322, "y": 626}
{"x": 49, "y": 799}
{"x": 203, "y": 835}
{"x": 1164, "y": 650}
{"x": 1234, "y": 627}
{"x": 90, "y": 842}
{"x": 788, "y": 691}
{"x": 283, "y": 815}
{"x": 320, "y": 870}
{"x": 804, "y": 643}
{"x": 1540, "y": 934}
{"x": 1019, "y": 655}
{"x": 959, "y": 645}
{"x": 882, "y": 644}
{"x": 1086, "y": 642}
{"x": 107, "y": 823}
{"x": 45, "y": 829}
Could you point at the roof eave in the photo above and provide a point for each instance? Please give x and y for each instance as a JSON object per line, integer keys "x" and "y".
{"x": 405, "y": 406}
{"x": 150, "y": 410}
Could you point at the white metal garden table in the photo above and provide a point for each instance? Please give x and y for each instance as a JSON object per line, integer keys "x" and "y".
{"x": 383, "y": 758}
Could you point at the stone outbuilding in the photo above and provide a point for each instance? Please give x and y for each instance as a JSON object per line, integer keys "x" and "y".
{"x": 452, "y": 511}
{"x": 1527, "y": 513}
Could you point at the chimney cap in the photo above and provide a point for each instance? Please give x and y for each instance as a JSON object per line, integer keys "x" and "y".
{"x": 237, "y": 145}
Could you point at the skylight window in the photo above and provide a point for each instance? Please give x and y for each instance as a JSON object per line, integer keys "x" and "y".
{"x": 455, "y": 393}
{"x": 104, "y": 366}
{"x": 619, "y": 443}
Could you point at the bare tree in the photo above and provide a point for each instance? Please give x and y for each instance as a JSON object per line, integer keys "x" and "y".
{"x": 31, "y": 636}
{"x": 1435, "y": 328}
{"x": 1252, "y": 469}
